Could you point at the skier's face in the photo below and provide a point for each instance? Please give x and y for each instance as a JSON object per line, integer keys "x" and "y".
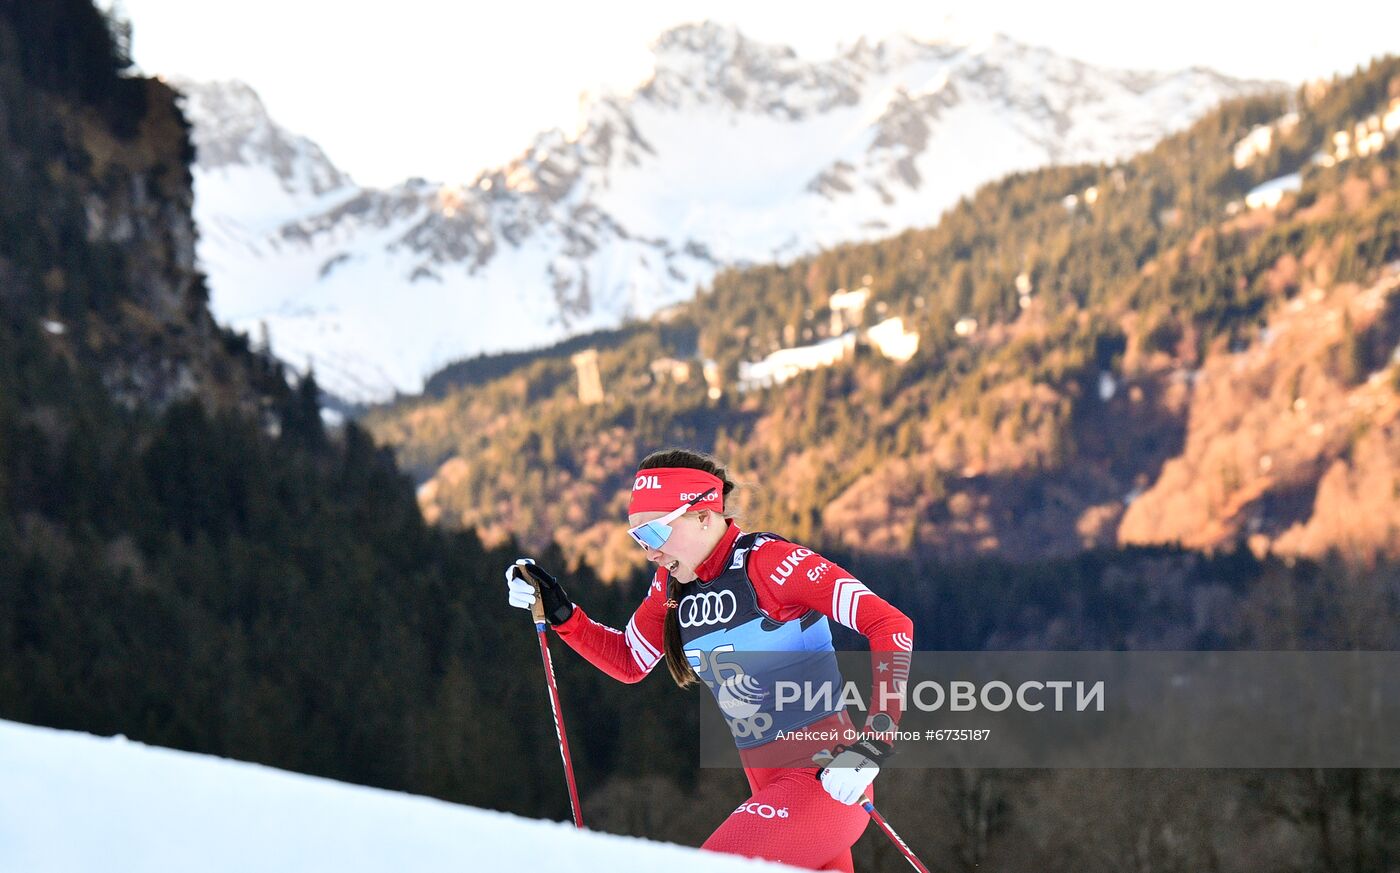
{"x": 691, "y": 541}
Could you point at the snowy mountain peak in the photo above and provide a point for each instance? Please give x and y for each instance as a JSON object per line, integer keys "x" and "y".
{"x": 232, "y": 128}
{"x": 709, "y": 41}
{"x": 735, "y": 151}
{"x": 712, "y": 64}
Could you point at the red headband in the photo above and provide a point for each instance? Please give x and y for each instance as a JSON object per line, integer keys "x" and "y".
{"x": 662, "y": 489}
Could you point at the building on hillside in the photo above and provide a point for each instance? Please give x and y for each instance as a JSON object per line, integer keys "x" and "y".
{"x": 786, "y": 363}
{"x": 847, "y": 309}
{"x": 892, "y": 340}
{"x": 670, "y": 370}
{"x": 590, "y": 383}
{"x": 714, "y": 379}
{"x": 1269, "y": 194}
{"x": 889, "y": 337}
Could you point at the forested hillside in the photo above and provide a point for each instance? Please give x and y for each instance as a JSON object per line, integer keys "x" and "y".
{"x": 187, "y": 555}
{"x": 1062, "y": 320}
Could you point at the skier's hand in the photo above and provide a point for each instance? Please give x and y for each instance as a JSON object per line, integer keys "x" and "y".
{"x": 855, "y": 766}
{"x": 521, "y": 589}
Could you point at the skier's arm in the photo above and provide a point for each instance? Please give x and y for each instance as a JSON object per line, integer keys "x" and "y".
{"x": 626, "y": 655}
{"x": 791, "y": 575}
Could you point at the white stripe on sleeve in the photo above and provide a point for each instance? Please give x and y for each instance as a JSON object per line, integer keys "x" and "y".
{"x": 845, "y": 597}
{"x": 643, "y": 652}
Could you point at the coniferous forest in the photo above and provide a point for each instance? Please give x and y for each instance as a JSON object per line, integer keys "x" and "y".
{"x": 191, "y": 557}
{"x": 1149, "y": 273}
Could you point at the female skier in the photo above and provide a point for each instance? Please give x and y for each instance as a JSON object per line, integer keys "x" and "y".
{"x": 717, "y": 594}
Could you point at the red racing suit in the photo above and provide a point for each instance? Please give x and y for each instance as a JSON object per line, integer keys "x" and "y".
{"x": 789, "y": 817}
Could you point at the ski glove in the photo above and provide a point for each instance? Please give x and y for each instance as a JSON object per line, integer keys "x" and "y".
{"x": 855, "y": 766}
{"x": 557, "y": 606}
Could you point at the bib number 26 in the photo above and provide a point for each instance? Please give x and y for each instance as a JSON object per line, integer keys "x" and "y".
{"x": 719, "y": 672}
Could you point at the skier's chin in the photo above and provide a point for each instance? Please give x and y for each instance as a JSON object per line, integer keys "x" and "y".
{"x": 684, "y": 574}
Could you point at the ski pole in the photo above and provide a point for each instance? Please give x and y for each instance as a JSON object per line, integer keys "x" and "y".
{"x": 889, "y": 832}
{"x": 537, "y": 612}
{"x": 824, "y": 758}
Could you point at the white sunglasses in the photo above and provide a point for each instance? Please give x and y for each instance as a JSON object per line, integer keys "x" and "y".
{"x": 654, "y": 534}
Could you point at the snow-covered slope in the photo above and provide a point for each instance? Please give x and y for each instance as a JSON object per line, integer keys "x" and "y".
{"x": 74, "y": 803}
{"x": 733, "y": 152}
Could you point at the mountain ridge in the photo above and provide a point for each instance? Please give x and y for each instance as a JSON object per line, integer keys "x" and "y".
{"x": 1027, "y": 377}
{"x": 734, "y": 152}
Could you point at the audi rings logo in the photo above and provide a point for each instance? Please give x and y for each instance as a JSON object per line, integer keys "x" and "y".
{"x": 707, "y": 607}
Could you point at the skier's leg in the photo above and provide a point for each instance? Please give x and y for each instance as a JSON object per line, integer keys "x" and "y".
{"x": 793, "y": 820}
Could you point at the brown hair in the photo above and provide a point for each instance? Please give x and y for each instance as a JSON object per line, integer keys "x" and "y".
{"x": 676, "y": 662}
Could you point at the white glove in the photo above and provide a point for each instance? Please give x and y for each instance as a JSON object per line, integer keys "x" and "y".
{"x": 847, "y": 776}
{"x": 557, "y": 606}
{"x": 521, "y": 592}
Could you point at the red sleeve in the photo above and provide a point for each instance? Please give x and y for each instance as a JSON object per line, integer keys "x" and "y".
{"x": 791, "y": 579}
{"x": 626, "y": 655}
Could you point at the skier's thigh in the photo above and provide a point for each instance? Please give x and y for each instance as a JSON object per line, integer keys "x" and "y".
{"x": 793, "y": 820}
